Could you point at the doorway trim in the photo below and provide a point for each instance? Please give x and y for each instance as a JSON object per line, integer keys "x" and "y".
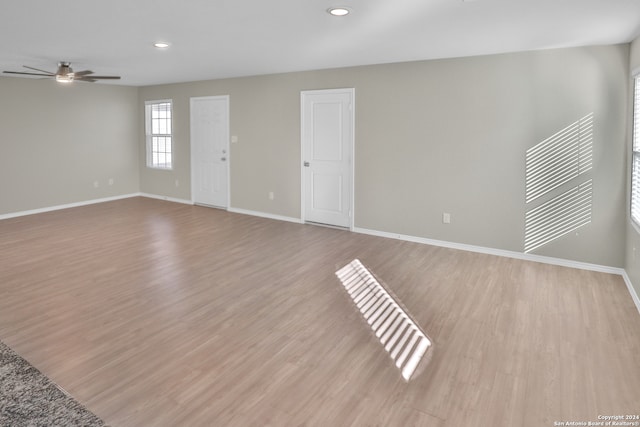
{"x": 351, "y": 141}
{"x": 192, "y": 163}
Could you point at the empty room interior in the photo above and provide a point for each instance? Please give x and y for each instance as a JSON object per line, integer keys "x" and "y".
{"x": 197, "y": 199}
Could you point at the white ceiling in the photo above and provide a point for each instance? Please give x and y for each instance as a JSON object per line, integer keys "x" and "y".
{"x": 225, "y": 38}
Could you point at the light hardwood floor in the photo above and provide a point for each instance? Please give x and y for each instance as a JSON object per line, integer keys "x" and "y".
{"x": 160, "y": 314}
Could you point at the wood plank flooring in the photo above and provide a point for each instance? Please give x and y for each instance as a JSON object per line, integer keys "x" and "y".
{"x": 159, "y": 314}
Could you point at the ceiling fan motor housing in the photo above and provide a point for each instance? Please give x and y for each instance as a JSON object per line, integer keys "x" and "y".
{"x": 64, "y": 68}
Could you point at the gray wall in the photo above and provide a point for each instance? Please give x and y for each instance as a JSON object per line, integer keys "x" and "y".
{"x": 431, "y": 136}
{"x": 58, "y": 140}
{"x": 632, "y": 264}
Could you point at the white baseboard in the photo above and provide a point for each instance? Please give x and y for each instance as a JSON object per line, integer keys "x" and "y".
{"x": 265, "y": 215}
{"x": 167, "y": 198}
{"x": 66, "y": 206}
{"x": 433, "y": 242}
{"x": 632, "y": 290}
{"x": 492, "y": 251}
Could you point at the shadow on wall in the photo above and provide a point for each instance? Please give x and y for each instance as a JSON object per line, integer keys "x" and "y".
{"x": 559, "y": 164}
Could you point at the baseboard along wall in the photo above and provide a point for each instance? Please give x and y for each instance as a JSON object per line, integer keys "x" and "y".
{"x": 408, "y": 238}
{"x": 66, "y": 206}
{"x": 512, "y": 254}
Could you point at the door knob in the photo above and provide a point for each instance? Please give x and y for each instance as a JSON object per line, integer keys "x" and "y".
{"x": 223, "y": 159}
{"x": 306, "y": 164}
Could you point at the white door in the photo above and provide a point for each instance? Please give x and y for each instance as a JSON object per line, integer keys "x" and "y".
{"x": 210, "y": 151}
{"x": 327, "y": 156}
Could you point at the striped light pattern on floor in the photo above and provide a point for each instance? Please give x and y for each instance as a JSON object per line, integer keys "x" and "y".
{"x": 402, "y": 338}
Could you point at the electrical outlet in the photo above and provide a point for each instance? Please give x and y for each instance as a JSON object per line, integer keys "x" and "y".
{"x": 271, "y": 195}
{"x": 177, "y": 183}
{"x": 446, "y": 218}
{"x": 96, "y": 184}
{"x": 110, "y": 181}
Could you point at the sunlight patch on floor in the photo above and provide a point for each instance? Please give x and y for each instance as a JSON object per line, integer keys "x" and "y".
{"x": 402, "y": 338}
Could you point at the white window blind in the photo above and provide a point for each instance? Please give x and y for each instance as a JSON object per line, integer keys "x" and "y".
{"x": 635, "y": 176}
{"x": 159, "y": 134}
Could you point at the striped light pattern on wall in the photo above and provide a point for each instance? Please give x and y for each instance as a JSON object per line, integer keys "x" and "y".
{"x": 400, "y": 335}
{"x": 556, "y": 203}
{"x": 559, "y": 216}
{"x": 559, "y": 158}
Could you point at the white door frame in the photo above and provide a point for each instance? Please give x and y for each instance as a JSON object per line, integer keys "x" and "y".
{"x": 191, "y": 101}
{"x": 303, "y": 153}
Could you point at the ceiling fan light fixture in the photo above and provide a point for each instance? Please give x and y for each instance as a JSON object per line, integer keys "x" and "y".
{"x": 64, "y": 78}
{"x": 339, "y": 11}
{"x": 65, "y": 74}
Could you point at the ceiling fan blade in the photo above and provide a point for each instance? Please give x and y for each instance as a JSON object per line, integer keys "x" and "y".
{"x": 65, "y": 73}
{"x": 103, "y": 77}
{"x": 29, "y": 74}
{"x": 38, "y": 69}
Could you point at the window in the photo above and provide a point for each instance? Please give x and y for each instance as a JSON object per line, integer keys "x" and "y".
{"x": 158, "y": 131}
{"x": 635, "y": 176}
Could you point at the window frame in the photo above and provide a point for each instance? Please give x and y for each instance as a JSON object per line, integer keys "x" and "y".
{"x": 634, "y": 205}
{"x": 149, "y": 135}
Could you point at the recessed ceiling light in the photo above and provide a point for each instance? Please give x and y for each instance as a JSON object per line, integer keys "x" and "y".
{"x": 339, "y": 11}
{"x": 161, "y": 45}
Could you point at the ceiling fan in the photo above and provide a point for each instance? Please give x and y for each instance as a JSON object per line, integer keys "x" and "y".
{"x": 65, "y": 74}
